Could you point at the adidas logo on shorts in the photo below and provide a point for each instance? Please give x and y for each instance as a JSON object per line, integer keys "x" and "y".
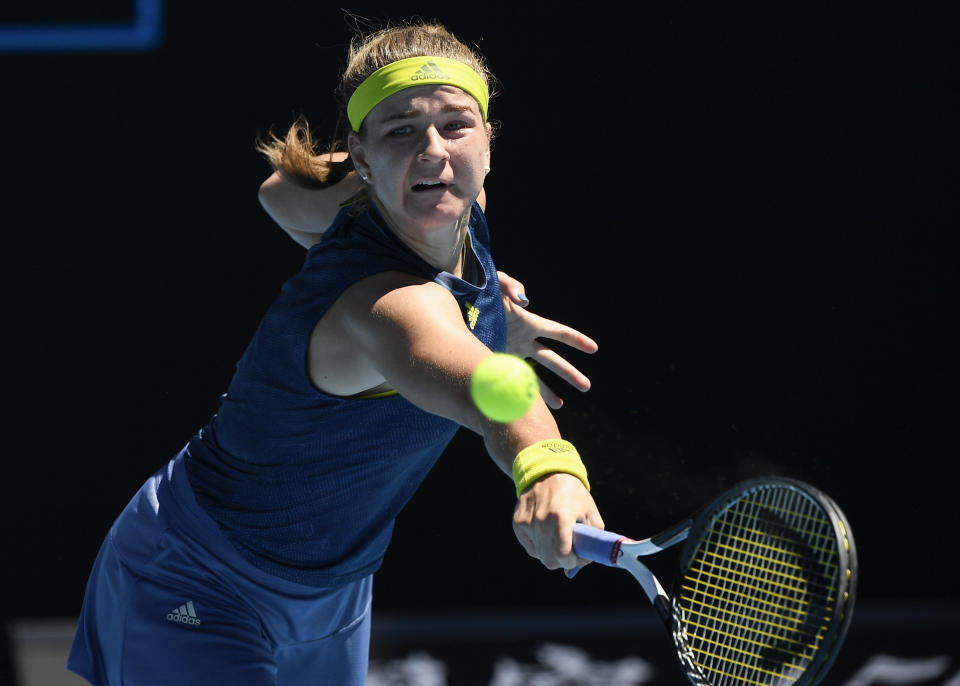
{"x": 185, "y": 614}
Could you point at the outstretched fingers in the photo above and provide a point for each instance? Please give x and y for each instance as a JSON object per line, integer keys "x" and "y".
{"x": 556, "y": 363}
{"x": 565, "y": 334}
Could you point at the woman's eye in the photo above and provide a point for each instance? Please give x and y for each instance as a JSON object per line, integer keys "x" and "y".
{"x": 407, "y": 130}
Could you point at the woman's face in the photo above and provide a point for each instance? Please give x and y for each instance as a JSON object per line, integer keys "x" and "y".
{"x": 424, "y": 151}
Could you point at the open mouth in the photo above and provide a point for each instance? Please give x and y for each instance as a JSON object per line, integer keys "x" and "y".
{"x": 428, "y": 186}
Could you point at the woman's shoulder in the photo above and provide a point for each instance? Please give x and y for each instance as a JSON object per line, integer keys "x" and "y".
{"x": 357, "y": 244}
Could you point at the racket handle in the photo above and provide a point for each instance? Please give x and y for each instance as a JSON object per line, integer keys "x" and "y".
{"x": 597, "y": 545}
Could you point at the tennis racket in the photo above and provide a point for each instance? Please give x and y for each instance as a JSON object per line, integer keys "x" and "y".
{"x": 765, "y": 589}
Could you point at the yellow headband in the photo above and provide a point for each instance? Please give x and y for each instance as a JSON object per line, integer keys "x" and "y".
{"x": 414, "y": 71}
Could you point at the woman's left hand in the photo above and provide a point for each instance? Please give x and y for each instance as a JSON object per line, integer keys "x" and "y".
{"x": 525, "y": 327}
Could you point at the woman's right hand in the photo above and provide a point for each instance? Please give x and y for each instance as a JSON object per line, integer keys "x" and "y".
{"x": 544, "y": 516}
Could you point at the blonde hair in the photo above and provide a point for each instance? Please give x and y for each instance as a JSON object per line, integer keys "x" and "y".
{"x": 295, "y": 156}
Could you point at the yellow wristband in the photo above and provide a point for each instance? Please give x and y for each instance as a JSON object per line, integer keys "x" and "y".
{"x": 547, "y": 457}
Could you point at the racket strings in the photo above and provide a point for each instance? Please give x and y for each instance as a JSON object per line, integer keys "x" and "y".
{"x": 756, "y": 597}
{"x": 791, "y": 578}
{"x": 767, "y": 621}
{"x": 752, "y": 536}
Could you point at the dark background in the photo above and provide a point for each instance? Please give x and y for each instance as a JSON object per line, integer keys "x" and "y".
{"x": 752, "y": 211}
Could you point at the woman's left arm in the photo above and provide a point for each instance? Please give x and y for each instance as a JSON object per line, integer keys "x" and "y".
{"x": 305, "y": 213}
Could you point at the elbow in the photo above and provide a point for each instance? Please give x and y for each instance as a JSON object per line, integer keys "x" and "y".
{"x": 270, "y": 195}
{"x": 268, "y": 188}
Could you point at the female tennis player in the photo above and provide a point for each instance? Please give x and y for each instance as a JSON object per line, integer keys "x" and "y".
{"x": 248, "y": 559}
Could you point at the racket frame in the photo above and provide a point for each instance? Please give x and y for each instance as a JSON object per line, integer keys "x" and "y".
{"x": 614, "y": 550}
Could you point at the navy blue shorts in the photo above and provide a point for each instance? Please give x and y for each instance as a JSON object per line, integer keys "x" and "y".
{"x": 171, "y": 601}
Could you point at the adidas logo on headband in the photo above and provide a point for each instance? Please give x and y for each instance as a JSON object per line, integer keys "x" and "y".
{"x": 430, "y": 70}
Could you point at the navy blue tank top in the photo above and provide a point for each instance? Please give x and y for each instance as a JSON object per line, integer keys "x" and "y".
{"x": 307, "y": 485}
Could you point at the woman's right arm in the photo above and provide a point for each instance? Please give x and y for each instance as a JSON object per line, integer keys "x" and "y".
{"x": 305, "y": 213}
{"x": 410, "y": 334}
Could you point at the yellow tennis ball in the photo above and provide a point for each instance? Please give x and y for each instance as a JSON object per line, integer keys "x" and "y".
{"x": 504, "y": 387}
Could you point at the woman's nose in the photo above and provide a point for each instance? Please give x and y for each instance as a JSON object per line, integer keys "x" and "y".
{"x": 434, "y": 147}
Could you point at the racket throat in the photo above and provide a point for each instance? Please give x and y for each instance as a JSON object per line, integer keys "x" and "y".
{"x": 648, "y": 582}
{"x": 662, "y": 606}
